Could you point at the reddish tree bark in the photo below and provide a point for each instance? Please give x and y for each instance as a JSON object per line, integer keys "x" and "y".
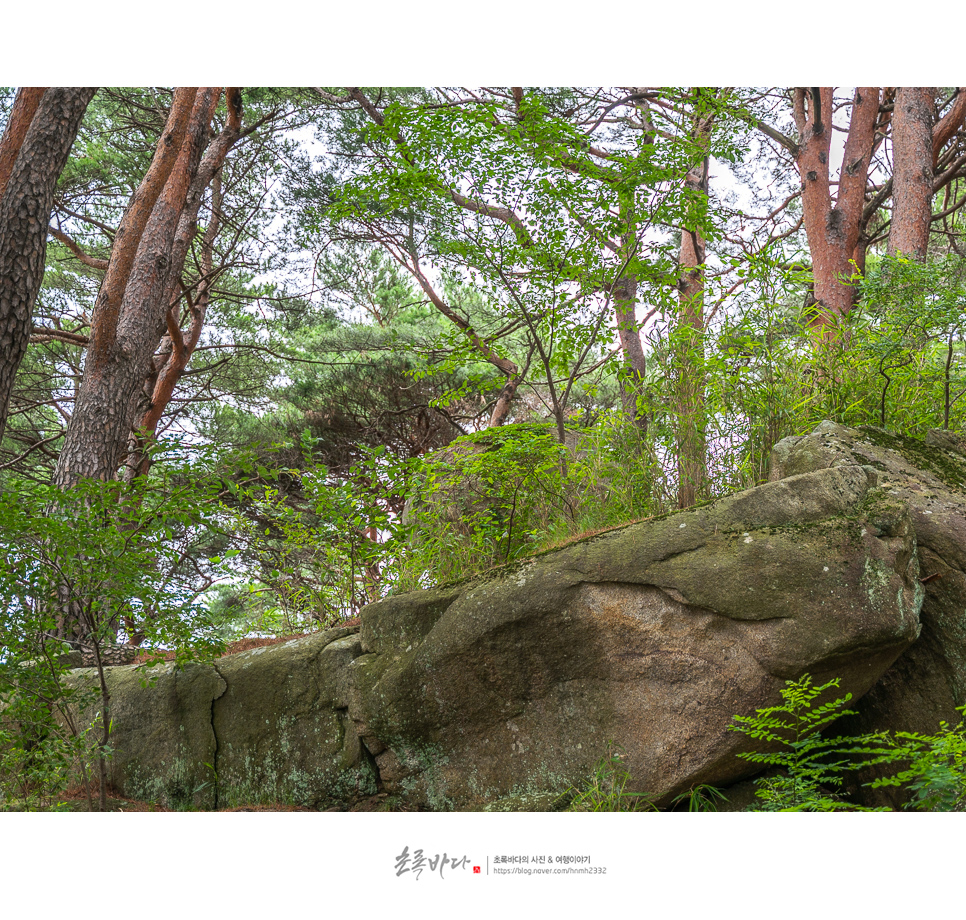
{"x": 22, "y": 113}
{"x": 107, "y": 307}
{"x": 833, "y": 228}
{"x": 836, "y": 225}
{"x": 912, "y": 174}
{"x": 33, "y": 153}
{"x": 171, "y": 360}
{"x": 131, "y": 315}
{"x": 925, "y": 161}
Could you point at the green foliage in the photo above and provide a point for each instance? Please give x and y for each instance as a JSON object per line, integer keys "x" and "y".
{"x": 913, "y": 318}
{"x": 479, "y": 502}
{"x": 441, "y": 187}
{"x": 896, "y": 361}
{"x": 812, "y": 765}
{"x": 106, "y": 560}
{"x": 109, "y": 552}
{"x": 931, "y": 768}
{"x": 305, "y": 546}
{"x": 701, "y": 798}
{"x": 330, "y": 408}
{"x": 495, "y": 496}
{"x": 605, "y": 789}
{"x": 43, "y": 750}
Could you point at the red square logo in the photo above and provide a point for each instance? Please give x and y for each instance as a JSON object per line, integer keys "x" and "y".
{"x": 476, "y": 870}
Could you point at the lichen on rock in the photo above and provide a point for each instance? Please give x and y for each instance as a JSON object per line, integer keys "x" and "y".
{"x": 509, "y": 688}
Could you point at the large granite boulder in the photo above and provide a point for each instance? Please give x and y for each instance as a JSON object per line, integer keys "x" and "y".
{"x": 850, "y": 563}
{"x": 928, "y": 682}
{"x": 267, "y": 725}
{"x": 651, "y": 636}
{"x": 164, "y": 746}
{"x": 281, "y": 724}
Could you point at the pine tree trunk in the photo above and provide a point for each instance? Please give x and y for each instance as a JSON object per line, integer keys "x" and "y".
{"x": 833, "y": 230}
{"x": 130, "y": 315}
{"x": 32, "y": 156}
{"x": 912, "y": 125}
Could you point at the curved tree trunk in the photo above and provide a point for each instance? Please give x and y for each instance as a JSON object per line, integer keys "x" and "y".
{"x": 169, "y": 364}
{"x": 130, "y": 315}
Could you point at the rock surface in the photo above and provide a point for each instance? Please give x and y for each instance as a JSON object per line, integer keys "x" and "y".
{"x": 651, "y": 636}
{"x": 282, "y": 730}
{"x": 505, "y": 690}
{"x": 928, "y": 682}
{"x": 267, "y": 725}
{"x": 164, "y": 746}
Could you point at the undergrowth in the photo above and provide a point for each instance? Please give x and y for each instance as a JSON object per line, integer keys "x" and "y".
{"x": 806, "y": 770}
{"x": 606, "y": 787}
{"x": 930, "y": 769}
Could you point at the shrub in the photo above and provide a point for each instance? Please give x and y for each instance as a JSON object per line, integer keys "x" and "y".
{"x": 811, "y": 765}
{"x": 492, "y": 497}
{"x": 932, "y": 768}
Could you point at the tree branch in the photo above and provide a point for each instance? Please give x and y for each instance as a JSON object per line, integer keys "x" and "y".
{"x": 949, "y": 124}
{"x": 950, "y": 173}
{"x": 87, "y": 260}
{"x": 41, "y": 334}
{"x": 506, "y": 215}
{"x": 31, "y": 449}
{"x": 768, "y": 130}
